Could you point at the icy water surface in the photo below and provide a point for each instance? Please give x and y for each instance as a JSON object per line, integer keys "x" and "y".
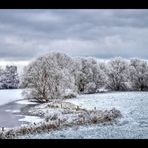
{"x": 13, "y": 109}
{"x": 133, "y": 124}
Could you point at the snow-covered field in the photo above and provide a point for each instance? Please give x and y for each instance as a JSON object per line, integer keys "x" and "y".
{"x": 133, "y": 106}
{"x": 134, "y": 124}
{"x": 25, "y": 102}
{"x": 8, "y": 95}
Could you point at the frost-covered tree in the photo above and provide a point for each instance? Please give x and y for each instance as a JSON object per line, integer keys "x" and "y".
{"x": 48, "y": 77}
{"x": 100, "y": 77}
{"x": 117, "y": 72}
{"x": 139, "y": 74}
{"x": 9, "y": 78}
{"x": 76, "y": 72}
{"x": 85, "y": 77}
{"x": 89, "y": 77}
{"x": 57, "y": 75}
{"x": 1, "y": 78}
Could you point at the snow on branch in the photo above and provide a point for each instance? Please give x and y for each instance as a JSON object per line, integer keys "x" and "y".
{"x": 58, "y": 76}
{"x": 9, "y": 78}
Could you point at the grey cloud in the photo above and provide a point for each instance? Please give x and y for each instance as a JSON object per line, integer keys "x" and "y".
{"x": 25, "y": 34}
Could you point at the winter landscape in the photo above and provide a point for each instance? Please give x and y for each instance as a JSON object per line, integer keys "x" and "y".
{"x": 71, "y": 79}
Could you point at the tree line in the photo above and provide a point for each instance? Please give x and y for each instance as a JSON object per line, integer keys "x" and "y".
{"x": 58, "y": 76}
{"x": 9, "y": 78}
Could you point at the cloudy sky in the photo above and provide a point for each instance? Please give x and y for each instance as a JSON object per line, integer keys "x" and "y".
{"x": 26, "y": 34}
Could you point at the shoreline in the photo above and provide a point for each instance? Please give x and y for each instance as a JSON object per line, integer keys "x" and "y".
{"x": 65, "y": 115}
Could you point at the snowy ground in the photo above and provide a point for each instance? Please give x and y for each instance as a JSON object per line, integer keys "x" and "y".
{"x": 133, "y": 106}
{"x": 31, "y": 119}
{"x": 134, "y": 124}
{"x": 25, "y": 102}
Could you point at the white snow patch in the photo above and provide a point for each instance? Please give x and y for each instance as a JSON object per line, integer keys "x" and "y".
{"x": 12, "y": 111}
{"x": 10, "y": 95}
{"x": 25, "y": 102}
{"x": 31, "y": 119}
{"x": 22, "y": 125}
{"x": 19, "y": 115}
{"x": 102, "y": 90}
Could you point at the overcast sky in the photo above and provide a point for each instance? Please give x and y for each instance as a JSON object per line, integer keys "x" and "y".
{"x": 26, "y": 34}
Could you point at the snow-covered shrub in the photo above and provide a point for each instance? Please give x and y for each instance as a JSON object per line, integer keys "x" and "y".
{"x": 70, "y": 94}
{"x": 51, "y": 117}
{"x": 48, "y": 77}
{"x": 64, "y": 105}
{"x": 111, "y": 114}
{"x": 56, "y": 121}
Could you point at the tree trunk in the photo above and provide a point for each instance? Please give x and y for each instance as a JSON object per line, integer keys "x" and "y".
{"x": 142, "y": 88}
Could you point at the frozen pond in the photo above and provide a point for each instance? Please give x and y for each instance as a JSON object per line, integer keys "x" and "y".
{"x": 134, "y": 124}
{"x": 9, "y": 95}
{"x": 12, "y": 109}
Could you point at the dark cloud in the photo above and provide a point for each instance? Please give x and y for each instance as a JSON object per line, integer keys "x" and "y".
{"x": 25, "y": 34}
